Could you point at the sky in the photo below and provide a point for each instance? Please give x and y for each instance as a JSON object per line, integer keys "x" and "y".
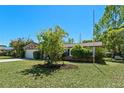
{"x": 28, "y": 21}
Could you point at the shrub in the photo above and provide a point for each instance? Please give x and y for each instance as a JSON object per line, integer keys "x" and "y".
{"x": 99, "y": 55}
{"x": 36, "y": 54}
{"x": 65, "y": 54}
{"x": 12, "y": 53}
{"x": 3, "y": 53}
{"x": 22, "y": 54}
{"x": 80, "y": 52}
{"x": 8, "y": 53}
{"x": 77, "y": 51}
{"x": 86, "y": 53}
{"x": 108, "y": 54}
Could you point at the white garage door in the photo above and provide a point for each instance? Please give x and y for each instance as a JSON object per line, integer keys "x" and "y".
{"x": 29, "y": 54}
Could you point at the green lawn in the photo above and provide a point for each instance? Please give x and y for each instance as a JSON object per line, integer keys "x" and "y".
{"x": 5, "y": 57}
{"x": 87, "y": 75}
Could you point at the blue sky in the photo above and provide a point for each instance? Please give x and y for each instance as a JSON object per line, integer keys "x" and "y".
{"x": 27, "y": 21}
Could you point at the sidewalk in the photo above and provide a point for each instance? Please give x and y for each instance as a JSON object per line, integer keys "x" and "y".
{"x": 10, "y": 60}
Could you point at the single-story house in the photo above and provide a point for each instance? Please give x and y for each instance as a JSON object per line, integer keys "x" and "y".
{"x": 32, "y": 47}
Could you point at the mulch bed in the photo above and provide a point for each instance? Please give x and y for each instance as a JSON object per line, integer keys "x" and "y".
{"x": 40, "y": 70}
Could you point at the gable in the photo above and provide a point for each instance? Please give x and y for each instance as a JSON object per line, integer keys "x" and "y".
{"x": 32, "y": 45}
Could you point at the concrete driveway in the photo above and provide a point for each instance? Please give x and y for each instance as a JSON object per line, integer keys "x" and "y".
{"x": 10, "y": 60}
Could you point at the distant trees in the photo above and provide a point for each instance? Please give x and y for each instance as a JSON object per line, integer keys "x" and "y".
{"x": 86, "y": 41}
{"x": 18, "y": 45}
{"x": 69, "y": 41}
{"x": 52, "y": 44}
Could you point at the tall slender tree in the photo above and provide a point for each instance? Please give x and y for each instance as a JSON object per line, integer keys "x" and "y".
{"x": 109, "y": 26}
{"x": 112, "y": 18}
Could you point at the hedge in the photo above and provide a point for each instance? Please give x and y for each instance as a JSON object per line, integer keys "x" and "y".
{"x": 36, "y": 54}
{"x": 80, "y": 52}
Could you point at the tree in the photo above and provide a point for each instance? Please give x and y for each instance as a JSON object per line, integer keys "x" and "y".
{"x": 114, "y": 39}
{"x": 109, "y": 27}
{"x": 52, "y": 43}
{"x": 112, "y": 18}
{"x": 18, "y": 45}
{"x": 97, "y": 32}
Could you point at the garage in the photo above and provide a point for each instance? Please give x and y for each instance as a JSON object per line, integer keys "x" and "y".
{"x": 30, "y": 49}
{"x": 29, "y": 54}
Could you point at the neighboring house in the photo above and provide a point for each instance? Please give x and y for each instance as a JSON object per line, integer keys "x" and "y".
{"x": 32, "y": 47}
{"x": 3, "y": 46}
{"x": 29, "y": 49}
{"x": 4, "y": 49}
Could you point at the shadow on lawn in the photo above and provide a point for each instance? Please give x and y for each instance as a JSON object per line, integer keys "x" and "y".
{"x": 87, "y": 62}
{"x": 41, "y": 70}
{"x": 114, "y": 60}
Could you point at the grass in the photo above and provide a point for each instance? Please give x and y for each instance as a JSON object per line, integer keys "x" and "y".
{"x": 87, "y": 75}
{"x": 5, "y": 57}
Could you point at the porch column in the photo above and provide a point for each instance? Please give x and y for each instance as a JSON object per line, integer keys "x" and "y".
{"x": 69, "y": 50}
{"x": 93, "y": 54}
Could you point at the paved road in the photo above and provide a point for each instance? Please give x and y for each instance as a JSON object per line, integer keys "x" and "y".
{"x": 10, "y": 60}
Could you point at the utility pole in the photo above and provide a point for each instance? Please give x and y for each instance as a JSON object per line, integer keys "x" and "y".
{"x": 80, "y": 38}
{"x": 93, "y": 37}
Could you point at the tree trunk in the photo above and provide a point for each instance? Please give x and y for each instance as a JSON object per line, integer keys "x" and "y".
{"x": 119, "y": 50}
